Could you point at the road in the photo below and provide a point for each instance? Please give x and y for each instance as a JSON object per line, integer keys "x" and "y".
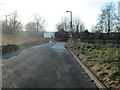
{"x": 45, "y": 66}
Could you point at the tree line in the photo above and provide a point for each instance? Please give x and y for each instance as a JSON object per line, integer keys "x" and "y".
{"x": 63, "y": 29}
{"x": 106, "y": 24}
{"x": 13, "y": 26}
{"x": 107, "y": 21}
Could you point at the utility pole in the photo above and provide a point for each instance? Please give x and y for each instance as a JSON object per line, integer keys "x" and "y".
{"x": 6, "y": 18}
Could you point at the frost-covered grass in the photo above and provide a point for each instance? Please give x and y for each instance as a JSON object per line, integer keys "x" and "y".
{"x": 9, "y": 39}
{"x": 20, "y": 42}
{"x": 104, "y": 60}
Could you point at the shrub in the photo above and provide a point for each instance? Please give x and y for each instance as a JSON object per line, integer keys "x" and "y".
{"x": 9, "y": 48}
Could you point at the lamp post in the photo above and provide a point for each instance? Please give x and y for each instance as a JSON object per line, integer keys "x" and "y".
{"x": 70, "y": 24}
{"x": 70, "y": 18}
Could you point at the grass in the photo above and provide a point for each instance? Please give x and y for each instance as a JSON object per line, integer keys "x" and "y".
{"x": 21, "y": 42}
{"x": 103, "y": 60}
{"x": 8, "y": 39}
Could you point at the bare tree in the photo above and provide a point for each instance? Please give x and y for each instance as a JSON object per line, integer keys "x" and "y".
{"x": 78, "y": 25}
{"x": 59, "y": 26}
{"x": 12, "y": 25}
{"x": 107, "y": 19}
{"x": 36, "y": 27}
{"x": 30, "y": 26}
{"x": 31, "y": 29}
{"x": 13, "y": 22}
{"x": 110, "y": 17}
{"x": 101, "y": 22}
{"x": 39, "y": 22}
{"x": 62, "y": 30}
{"x": 63, "y": 24}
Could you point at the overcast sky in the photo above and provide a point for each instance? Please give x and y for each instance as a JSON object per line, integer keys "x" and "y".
{"x": 53, "y": 10}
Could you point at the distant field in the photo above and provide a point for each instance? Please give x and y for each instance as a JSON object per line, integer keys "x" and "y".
{"x": 103, "y": 60}
{"x": 10, "y": 43}
{"x": 7, "y": 39}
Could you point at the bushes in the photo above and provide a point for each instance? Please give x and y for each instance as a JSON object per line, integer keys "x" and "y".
{"x": 9, "y": 48}
{"x": 12, "y": 47}
{"x": 61, "y": 35}
{"x": 11, "y": 43}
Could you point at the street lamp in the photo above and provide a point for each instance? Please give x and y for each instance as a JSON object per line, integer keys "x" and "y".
{"x": 70, "y": 25}
{"x": 71, "y": 18}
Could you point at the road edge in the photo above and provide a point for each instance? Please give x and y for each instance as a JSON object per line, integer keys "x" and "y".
{"x": 17, "y": 52}
{"x": 98, "y": 83}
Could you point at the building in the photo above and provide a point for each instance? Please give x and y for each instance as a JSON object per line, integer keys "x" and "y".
{"x": 49, "y": 34}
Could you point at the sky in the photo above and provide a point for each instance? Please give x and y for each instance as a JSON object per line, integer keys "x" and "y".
{"x": 53, "y": 10}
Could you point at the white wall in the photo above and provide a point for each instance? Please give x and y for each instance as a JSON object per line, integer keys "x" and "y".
{"x": 49, "y": 34}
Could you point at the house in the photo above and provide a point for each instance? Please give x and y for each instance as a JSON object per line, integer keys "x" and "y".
{"x": 49, "y": 34}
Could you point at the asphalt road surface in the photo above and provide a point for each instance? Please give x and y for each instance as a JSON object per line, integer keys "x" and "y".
{"x": 45, "y": 66}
